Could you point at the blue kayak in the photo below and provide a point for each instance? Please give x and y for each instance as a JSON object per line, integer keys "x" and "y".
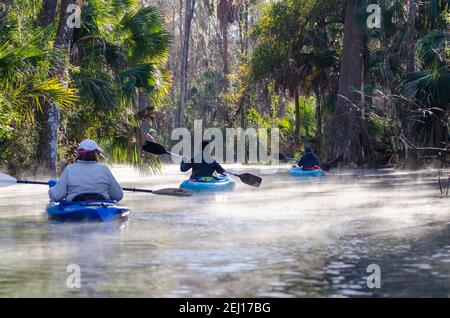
{"x": 299, "y": 172}
{"x": 208, "y": 184}
{"x": 102, "y": 211}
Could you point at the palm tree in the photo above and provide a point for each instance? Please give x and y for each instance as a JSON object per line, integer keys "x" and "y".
{"x": 121, "y": 55}
{"x": 429, "y": 89}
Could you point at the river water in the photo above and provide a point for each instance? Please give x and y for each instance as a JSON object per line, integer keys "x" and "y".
{"x": 289, "y": 238}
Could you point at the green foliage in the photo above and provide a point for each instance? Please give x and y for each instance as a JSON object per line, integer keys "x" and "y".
{"x": 119, "y": 51}
{"x": 307, "y": 118}
{"x": 206, "y": 99}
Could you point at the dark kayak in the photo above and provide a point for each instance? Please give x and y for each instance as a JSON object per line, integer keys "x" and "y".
{"x": 102, "y": 211}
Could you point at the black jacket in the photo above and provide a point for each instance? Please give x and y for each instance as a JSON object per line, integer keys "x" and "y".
{"x": 309, "y": 160}
{"x": 202, "y": 169}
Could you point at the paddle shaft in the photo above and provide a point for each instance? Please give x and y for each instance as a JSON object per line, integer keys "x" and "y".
{"x": 32, "y": 182}
{"x": 137, "y": 190}
{"x": 46, "y": 183}
{"x": 177, "y": 155}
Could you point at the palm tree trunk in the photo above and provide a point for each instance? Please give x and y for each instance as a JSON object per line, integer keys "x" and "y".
{"x": 297, "y": 121}
{"x": 188, "y": 16}
{"x": 410, "y": 67}
{"x": 144, "y": 116}
{"x": 48, "y": 139}
{"x": 47, "y": 15}
{"x": 348, "y": 137}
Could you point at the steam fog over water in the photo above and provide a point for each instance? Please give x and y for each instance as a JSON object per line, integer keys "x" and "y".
{"x": 289, "y": 238}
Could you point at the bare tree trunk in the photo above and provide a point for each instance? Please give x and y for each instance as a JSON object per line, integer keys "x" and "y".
{"x": 48, "y": 139}
{"x": 173, "y": 67}
{"x": 320, "y": 97}
{"x": 243, "y": 116}
{"x": 243, "y": 29}
{"x": 297, "y": 121}
{"x": 226, "y": 68}
{"x": 266, "y": 109}
{"x": 246, "y": 28}
{"x": 188, "y": 16}
{"x": 410, "y": 67}
{"x": 348, "y": 134}
{"x": 47, "y": 15}
{"x": 223, "y": 16}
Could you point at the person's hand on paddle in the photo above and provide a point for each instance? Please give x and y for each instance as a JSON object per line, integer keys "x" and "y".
{"x": 52, "y": 183}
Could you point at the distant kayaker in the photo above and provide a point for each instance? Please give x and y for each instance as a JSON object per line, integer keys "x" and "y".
{"x": 86, "y": 179}
{"x": 309, "y": 160}
{"x": 201, "y": 170}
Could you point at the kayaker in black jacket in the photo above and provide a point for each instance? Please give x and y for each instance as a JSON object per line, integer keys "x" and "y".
{"x": 309, "y": 160}
{"x": 202, "y": 169}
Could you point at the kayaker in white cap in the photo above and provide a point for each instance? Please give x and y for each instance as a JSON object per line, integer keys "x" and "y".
{"x": 86, "y": 179}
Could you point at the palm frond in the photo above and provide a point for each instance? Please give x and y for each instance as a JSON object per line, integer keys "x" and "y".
{"x": 145, "y": 39}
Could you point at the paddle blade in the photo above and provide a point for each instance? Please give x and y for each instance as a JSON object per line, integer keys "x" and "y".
{"x": 154, "y": 148}
{"x": 175, "y": 192}
{"x": 282, "y": 157}
{"x": 250, "y": 179}
{"x": 325, "y": 166}
{"x": 6, "y": 180}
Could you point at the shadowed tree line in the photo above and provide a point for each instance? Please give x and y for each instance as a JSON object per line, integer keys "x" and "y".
{"x": 135, "y": 70}
{"x": 316, "y": 69}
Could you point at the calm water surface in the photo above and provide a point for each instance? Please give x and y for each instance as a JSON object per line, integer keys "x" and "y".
{"x": 290, "y": 238}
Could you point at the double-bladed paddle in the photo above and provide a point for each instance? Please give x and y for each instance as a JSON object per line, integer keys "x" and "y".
{"x": 323, "y": 166}
{"x": 6, "y": 180}
{"x": 157, "y": 149}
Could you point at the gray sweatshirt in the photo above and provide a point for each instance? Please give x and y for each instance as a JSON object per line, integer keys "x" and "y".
{"x": 86, "y": 177}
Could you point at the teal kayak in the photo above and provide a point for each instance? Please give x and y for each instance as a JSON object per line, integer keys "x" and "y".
{"x": 102, "y": 211}
{"x": 299, "y": 172}
{"x": 209, "y": 184}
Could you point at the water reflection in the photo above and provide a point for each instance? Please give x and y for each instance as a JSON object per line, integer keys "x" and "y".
{"x": 290, "y": 238}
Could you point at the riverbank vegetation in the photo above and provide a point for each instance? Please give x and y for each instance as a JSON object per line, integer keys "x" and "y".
{"x": 324, "y": 72}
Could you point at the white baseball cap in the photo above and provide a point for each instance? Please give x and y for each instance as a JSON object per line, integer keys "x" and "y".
{"x": 88, "y": 145}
